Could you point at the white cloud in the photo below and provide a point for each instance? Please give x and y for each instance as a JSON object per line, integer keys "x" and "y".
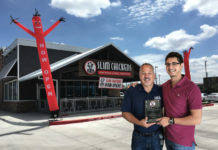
{"x": 204, "y": 7}
{"x": 52, "y": 20}
{"x": 126, "y": 51}
{"x": 149, "y": 10}
{"x": 136, "y": 1}
{"x": 58, "y": 43}
{"x": 117, "y": 38}
{"x": 116, "y": 4}
{"x": 179, "y": 40}
{"x": 197, "y": 66}
{"x": 155, "y": 60}
{"x": 83, "y": 8}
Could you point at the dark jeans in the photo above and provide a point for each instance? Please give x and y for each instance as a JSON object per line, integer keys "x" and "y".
{"x": 173, "y": 146}
{"x": 140, "y": 142}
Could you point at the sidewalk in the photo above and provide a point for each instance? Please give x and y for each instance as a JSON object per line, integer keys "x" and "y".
{"x": 32, "y": 131}
{"x": 35, "y": 118}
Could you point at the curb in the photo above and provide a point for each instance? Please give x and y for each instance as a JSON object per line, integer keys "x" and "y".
{"x": 82, "y": 120}
{"x": 211, "y": 104}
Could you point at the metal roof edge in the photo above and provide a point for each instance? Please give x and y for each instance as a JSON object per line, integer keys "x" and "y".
{"x": 50, "y": 45}
{"x": 10, "y": 47}
{"x": 124, "y": 53}
{"x": 66, "y": 61}
{"x": 10, "y": 65}
{"x": 61, "y": 63}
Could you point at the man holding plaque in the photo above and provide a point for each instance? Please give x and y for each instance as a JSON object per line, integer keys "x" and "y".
{"x": 141, "y": 106}
{"x": 182, "y": 106}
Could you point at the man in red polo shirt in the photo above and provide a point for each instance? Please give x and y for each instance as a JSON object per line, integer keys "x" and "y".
{"x": 182, "y": 106}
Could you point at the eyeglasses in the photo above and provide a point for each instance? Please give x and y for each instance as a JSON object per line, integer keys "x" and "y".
{"x": 173, "y": 64}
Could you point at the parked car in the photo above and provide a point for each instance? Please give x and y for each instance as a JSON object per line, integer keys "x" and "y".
{"x": 203, "y": 96}
{"x": 212, "y": 97}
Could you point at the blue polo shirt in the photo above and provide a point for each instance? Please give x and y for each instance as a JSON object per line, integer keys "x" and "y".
{"x": 134, "y": 102}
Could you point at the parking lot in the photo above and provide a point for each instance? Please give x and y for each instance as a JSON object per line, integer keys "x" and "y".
{"x": 31, "y": 131}
{"x": 212, "y": 97}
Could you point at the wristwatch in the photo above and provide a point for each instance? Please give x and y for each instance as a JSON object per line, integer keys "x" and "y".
{"x": 171, "y": 120}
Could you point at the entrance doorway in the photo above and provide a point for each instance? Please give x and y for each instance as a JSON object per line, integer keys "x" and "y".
{"x": 42, "y": 98}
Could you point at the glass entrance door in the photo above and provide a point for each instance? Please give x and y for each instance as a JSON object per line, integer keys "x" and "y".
{"x": 42, "y": 98}
{"x": 43, "y": 103}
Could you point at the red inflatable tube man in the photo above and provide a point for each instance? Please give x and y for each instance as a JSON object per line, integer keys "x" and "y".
{"x": 186, "y": 63}
{"x": 39, "y": 35}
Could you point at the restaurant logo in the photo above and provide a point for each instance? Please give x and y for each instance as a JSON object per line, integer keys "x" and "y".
{"x": 90, "y": 67}
{"x": 152, "y": 104}
{"x": 106, "y": 68}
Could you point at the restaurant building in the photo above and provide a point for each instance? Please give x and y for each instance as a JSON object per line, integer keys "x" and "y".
{"x": 210, "y": 84}
{"x": 85, "y": 79}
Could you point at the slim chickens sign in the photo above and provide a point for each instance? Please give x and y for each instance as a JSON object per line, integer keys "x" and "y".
{"x": 106, "y": 68}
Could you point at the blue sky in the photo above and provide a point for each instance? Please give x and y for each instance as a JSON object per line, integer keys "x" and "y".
{"x": 146, "y": 30}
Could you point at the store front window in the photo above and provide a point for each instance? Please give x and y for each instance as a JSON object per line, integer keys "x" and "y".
{"x": 70, "y": 89}
{"x": 92, "y": 89}
{"x": 77, "y": 85}
{"x": 85, "y": 91}
{"x": 10, "y": 90}
{"x": 73, "y": 89}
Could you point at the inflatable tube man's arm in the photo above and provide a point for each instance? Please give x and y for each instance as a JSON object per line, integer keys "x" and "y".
{"x": 53, "y": 26}
{"x": 23, "y": 27}
{"x": 190, "y": 51}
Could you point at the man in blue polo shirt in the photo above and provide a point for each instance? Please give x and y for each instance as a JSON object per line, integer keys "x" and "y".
{"x": 145, "y": 135}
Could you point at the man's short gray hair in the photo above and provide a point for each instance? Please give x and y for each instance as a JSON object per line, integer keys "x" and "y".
{"x": 146, "y": 64}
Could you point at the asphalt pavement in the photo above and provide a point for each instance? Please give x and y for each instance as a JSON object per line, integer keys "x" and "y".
{"x": 31, "y": 131}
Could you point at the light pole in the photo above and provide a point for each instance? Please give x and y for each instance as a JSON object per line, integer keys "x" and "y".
{"x": 155, "y": 73}
{"x": 206, "y": 69}
{"x": 159, "y": 79}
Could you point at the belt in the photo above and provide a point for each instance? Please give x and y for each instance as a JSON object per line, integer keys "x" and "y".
{"x": 146, "y": 134}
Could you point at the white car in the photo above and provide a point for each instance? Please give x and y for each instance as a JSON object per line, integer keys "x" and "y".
{"x": 203, "y": 96}
{"x": 212, "y": 97}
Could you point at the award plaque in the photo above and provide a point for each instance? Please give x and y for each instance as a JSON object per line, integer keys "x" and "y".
{"x": 153, "y": 110}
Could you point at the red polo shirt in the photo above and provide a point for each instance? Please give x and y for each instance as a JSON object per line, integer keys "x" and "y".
{"x": 178, "y": 102}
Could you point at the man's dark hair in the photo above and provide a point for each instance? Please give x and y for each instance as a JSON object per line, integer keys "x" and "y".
{"x": 174, "y": 54}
